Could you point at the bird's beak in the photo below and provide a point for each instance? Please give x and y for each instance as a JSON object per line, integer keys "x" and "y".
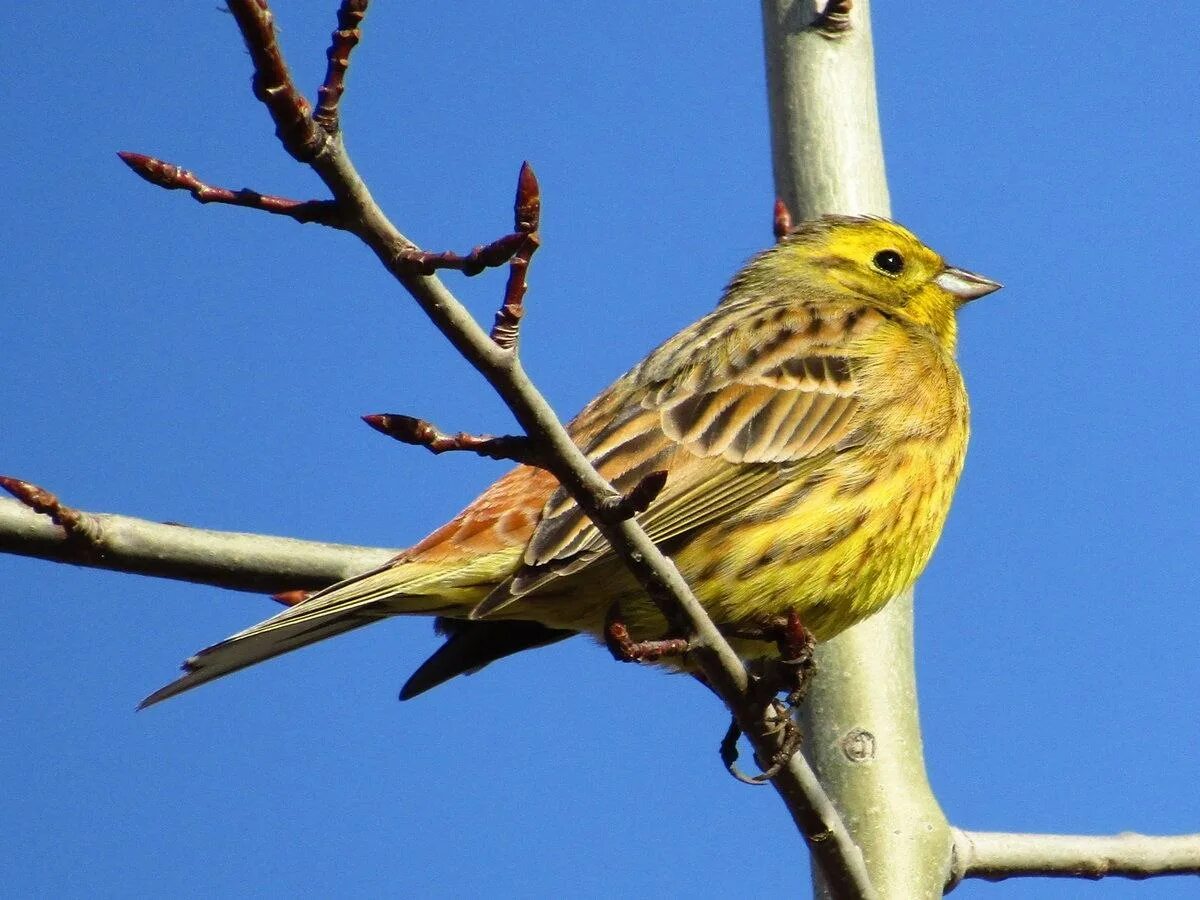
{"x": 965, "y": 286}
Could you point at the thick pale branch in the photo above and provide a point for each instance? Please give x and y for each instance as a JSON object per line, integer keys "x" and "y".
{"x": 996, "y": 856}
{"x": 243, "y": 562}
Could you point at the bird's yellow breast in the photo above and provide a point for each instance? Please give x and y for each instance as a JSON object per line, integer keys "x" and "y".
{"x": 838, "y": 542}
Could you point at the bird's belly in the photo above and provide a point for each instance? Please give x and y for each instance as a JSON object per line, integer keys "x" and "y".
{"x": 835, "y": 548}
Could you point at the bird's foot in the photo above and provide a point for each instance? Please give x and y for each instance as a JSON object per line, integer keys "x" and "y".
{"x": 792, "y": 672}
{"x": 789, "y": 674}
{"x": 625, "y": 649}
{"x": 788, "y": 743}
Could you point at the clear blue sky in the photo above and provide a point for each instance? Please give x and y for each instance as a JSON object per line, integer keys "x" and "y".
{"x": 208, "y": 366}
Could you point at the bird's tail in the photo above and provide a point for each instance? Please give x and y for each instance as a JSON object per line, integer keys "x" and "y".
{"x": 393, "y": 589}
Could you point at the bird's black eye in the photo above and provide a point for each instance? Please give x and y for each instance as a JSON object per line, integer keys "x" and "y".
{"x": 889, "y": 261}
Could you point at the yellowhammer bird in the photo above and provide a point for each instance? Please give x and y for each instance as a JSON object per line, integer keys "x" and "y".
{"x": 813, "y": 428}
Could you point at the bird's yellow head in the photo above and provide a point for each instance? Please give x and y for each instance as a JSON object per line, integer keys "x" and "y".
{"x": 876, "y": 260}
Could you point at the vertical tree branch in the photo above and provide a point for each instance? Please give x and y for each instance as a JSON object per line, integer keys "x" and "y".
{"x": 826, "y": 148}
{"x": 860, "y": 719}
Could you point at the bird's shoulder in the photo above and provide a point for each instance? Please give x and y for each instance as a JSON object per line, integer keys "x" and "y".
{"x": 761, "y": 340}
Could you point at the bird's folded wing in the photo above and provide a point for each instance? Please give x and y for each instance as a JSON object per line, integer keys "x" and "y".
{"x": 730, "y": 420}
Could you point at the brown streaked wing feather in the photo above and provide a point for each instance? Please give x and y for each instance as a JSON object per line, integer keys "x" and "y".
{"x": 503, "y": 516}
{"x": 564, "y": 528}
{"x": 725, "y": 424}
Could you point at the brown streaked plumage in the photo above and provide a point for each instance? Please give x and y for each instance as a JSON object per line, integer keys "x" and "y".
{"x": 813, "y": 427}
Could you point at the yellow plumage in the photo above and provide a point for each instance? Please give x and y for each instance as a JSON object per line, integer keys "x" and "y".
{"x": 813, "y": 428}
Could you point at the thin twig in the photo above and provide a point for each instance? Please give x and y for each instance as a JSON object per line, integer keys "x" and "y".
{"x": 781, "y": 224}
{"x": 273, "y": 83}
{"x": 419, "y": 433}
{"x": 345, "y": 38}
{"x": 172, "y": 178}
{"x": 834, "y": 20}
{"x": 527, "y": 215}
{"x": 78, "y": 527}
{"x": 488, "y": 256}
{"x": 995, "y": 856}
{"x": 638, "y": 500}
